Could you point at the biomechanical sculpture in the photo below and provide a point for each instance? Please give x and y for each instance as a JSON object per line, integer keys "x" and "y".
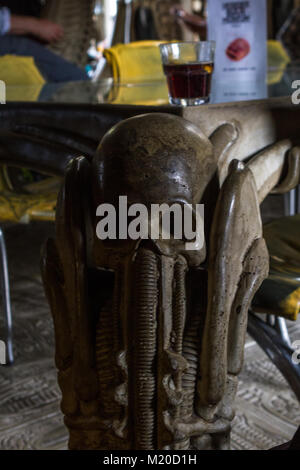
{"x": 150, "y": 336}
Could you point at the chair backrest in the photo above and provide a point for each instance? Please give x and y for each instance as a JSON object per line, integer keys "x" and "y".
{"x": 289, "y": 34}
{"x": 76, "y": 17}
{"x": 167, "y": 26}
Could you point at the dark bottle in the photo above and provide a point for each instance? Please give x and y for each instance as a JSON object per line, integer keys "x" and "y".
{"x": 144, "y": 23}
{"x": 123, "y": 26}
{"x": 134, "y": 22}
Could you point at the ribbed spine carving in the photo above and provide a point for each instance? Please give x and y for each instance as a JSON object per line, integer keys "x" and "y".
{"x": 190, "y": 352}
{"x": 179, "y": 320}
{"x": 180, "y": 303}
{"x": 104, "y": 363}
{"x": 146, "y": 347}
{"x": 116, "y": 319}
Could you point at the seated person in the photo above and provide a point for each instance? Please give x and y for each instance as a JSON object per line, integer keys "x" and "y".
{"x": 289, "y": 34}
{"x": 14, "y": 30}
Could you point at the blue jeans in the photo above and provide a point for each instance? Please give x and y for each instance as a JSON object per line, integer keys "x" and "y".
{"x": 53, "y": 67}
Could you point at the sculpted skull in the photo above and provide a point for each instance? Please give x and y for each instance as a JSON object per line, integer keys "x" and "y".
{"x": 154, "y": 159}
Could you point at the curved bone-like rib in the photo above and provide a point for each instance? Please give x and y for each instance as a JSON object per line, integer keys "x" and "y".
{"x": 223, "y": 138}
{"x": 35, "y": 152}
{"x": 267, "y": 167}
{"x": 293, "y": 174}
{"x": 236, "y": 225}
{"x": 255, "y": 270}
{"x": 71, "y": 244}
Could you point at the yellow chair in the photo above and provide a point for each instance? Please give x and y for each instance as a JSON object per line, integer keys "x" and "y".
{"x": 23, "y": 82}
{"x": 137, "y": 63}
{"x": 277, "y": 61}
{"x": 280, "y": 292}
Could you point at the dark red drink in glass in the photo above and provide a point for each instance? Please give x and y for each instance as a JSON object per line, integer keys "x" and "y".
{"x": 188, "y": 67}
{"x": 189, "y": 81}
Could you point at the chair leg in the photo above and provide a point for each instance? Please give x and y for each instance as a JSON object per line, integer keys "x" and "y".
{"x": 290, "y": 203}
{"x": 277, "y": 349}
{"x": 281, "y": 327}
{"x": 6, "y": 298}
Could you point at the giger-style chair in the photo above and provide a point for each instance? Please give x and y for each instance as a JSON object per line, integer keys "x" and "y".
{"x": 150, "y": 335}
{"x": 34, "y": 201}
{"x": 29, "y": 140}
{"x": 39, "y": 202}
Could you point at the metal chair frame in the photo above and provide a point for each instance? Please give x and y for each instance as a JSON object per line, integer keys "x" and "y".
{"x": 6, "y": 303}
{"x": 272, "y": 335}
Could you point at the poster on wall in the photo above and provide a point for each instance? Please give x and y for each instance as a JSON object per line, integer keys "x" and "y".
{"x": 240, "y": 31}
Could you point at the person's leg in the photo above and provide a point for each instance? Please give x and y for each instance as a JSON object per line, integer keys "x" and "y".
{"x": 53, "y": 67}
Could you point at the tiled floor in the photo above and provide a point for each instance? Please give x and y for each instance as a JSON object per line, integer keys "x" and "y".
{"x": 267, "y": 411}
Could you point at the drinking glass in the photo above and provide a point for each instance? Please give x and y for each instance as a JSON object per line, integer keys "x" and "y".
{"x": 188, "y": 67}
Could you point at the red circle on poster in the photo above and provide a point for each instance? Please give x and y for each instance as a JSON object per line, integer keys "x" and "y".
{"x": 238, "y": 49}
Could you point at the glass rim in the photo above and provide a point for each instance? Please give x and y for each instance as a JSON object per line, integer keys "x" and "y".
{"x": 212, "y": 42}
